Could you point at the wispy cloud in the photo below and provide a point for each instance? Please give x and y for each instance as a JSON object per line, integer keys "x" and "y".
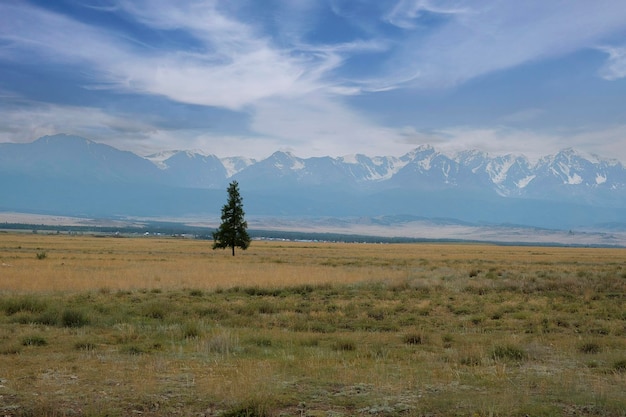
{"x": 406, "y": 14}
{"x": 32, "y": 120}
{"x": 296, "y": 85}
{"x": 500, "y": 140}
{"x": 615, "y": 67}
{"x": 606, "y": 142}
{"x": 233, "y": 67}
{"x": 324, "y": 127}
{"x": 234, "y": 64}
{"x": 479, "y": 37}
{"x": 32, "y": 34}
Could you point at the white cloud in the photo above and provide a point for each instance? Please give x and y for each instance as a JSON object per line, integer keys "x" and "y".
{"x": 242, "y": 82}
{"x": 608, "y": 141}
{"x": 605, "y": 142}
{"x": 30, "y": 122}
{"x": 234, "y": 64}
{"x": 143, "y": 137}
{"x": 317, "y": 125}
{"x": 499, "y": 140}
{"x": 406, "y": 13}
{"x": 492, "y": 35}
{"x": 290, "y": 87}
{"x": 233, "y": 68}
{"x": 615, "y": 67}
{"x": 31, "y": 34}
{"x": 312, "y": 127}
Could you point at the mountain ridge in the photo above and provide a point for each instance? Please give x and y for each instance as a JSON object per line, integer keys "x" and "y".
{"x": 469, "y": 185}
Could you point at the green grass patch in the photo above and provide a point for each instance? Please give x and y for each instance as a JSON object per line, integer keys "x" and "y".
{"x": 509, "y": 353}
{"x": 74, "y": 318}
{"x": 34, "y": 341}
{"x": 23, "y": 304}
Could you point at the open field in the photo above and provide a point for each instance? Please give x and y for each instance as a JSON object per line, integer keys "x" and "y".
{"x": 104, "y": 326}
{"x": 384, "y": 228}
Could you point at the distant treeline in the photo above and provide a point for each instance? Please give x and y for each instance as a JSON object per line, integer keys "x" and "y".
{"x": 181, "y": 230}
{"x": 177, "y": 229}
{"x": 328, "y": 237}
{"x": 151, "y": 228}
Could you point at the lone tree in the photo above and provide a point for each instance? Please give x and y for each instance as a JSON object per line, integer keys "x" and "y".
{"x": 232, "y": 232}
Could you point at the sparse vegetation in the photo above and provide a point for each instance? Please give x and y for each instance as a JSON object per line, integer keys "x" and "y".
{"x": 22, "y": 304}
{"x": 34, "y": 341}
{"x": 589, "y": 347}
{"x": 414, "y": 338}
{"x": 509, "y": 352}
{"x": 620, "y": 365}
{"x": 74, "y": 318}
{"x": 165, "y": 327}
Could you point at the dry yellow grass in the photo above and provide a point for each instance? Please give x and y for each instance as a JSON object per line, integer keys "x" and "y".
{"x": 315, "y": 329}
{"x": 82, "y": 263}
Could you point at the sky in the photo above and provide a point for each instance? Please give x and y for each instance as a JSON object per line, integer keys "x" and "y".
{"x": 317, "y": 77}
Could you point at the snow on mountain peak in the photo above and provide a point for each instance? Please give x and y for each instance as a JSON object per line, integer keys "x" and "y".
{"x": 382, "y": 180}
{"x": 525, "y": 181}
{"x": 350, "y": 159}
{"x": 235, "y": 164}
{"x": 508, "y": 174}
{"x": 574, "y": 179}
{"x": 159, "y": 158}
{"x": 472, "y": 155}
{"x": 498, "y": 169}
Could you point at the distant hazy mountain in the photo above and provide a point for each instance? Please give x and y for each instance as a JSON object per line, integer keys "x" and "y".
{"x": 72, "y": 175}
{"x": 190, "y": 169}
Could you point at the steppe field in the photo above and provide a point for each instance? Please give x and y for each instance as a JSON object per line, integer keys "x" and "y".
{"x": 146, "y": 326}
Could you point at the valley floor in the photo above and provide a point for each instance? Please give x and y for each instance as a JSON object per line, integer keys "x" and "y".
{"x": 106, "y": 326}
{"x": 416, "y": 229}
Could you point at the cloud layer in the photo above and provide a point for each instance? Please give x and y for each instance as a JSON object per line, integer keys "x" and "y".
{"x": 314, "y": 77}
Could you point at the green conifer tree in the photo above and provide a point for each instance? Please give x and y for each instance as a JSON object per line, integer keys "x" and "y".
{"x": 233, "y": 230}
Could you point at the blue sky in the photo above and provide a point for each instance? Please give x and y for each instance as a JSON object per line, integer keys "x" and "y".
{"x": 317, "y": 77}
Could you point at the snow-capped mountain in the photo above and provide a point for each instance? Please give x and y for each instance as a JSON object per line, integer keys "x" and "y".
{"x": 564, "y": 189}
{"x": 193, "y": 169}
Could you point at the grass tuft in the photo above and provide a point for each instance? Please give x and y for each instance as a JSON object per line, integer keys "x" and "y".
{"x": 34, "y": 341}
{"x": 84, "y": 346}
{"x": 509, "y": 352}
{"x": 23, "y": 304}
{"x": 47, "y": 318}
{"x": 344, "y": 345}
{"x": 74, "y": 318}
{"x": 589, "y": 347}
{"x": 223, "y": 342}
{"x": 155, "y": 310}
{"x": 133, "y": 350}
{"x": 620, "y": 366}
{"x": 414, "y": 339}
{"x": 250, "y": 408}
{"x": 191, "y": 330}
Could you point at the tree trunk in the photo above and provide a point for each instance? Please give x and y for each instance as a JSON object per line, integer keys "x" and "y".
{"x": 233, "y": 249}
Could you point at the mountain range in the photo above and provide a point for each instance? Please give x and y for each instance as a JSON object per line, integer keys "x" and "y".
{"x": 71, "y": 175}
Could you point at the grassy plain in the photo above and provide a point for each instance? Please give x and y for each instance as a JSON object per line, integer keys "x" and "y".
{"x": 103, "y": 326}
